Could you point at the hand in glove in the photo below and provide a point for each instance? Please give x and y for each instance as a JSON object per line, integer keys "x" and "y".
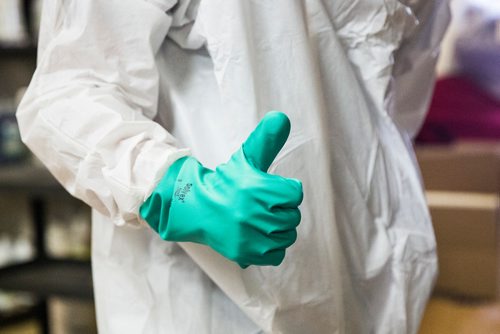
{"x": 242, "y": 212}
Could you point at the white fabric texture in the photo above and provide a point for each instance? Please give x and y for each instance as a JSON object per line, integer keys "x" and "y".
{"x": 124, "y": 88}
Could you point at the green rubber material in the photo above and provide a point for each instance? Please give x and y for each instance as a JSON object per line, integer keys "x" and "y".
{"x": 241, "y": 211}
{"x": 159, "y": 201}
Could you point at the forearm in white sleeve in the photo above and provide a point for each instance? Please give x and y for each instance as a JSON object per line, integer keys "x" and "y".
{"x": 87, "y": 113}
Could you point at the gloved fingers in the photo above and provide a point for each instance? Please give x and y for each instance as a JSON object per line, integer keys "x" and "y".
{"x": 277, "y": 240}
{"x": 290, "y": 218}
{"x": 268, "y": 249}
{"x": 277, "y": 220}
{"x": 285, "y": 239}
{"x": 273, "y": 257}
{"x": 283, "y": 192}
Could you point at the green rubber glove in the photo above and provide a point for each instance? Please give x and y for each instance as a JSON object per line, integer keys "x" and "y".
{"x": 239, "y": 210}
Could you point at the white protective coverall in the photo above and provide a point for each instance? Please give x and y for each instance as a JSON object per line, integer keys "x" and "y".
{"x": 125, "y": 87}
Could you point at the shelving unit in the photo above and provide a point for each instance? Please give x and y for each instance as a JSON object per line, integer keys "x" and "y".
{"x": 49, "y": 277}
{"x": 18, "y": 51}
{"x": 28, "y": 50}
{"x": 43, "y": 276}
{"x": 20, "y": 316}
{"x": 18, "y": 61}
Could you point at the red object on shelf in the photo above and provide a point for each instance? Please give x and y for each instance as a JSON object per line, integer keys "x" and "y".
{"x": 460, "y": 110}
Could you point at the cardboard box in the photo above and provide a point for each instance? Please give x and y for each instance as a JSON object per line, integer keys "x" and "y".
{"x": 462, "y": 187}
{"x": 470, "y": 167}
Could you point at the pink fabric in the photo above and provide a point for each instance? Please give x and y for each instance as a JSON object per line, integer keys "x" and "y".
{"x": 460, "y": 110}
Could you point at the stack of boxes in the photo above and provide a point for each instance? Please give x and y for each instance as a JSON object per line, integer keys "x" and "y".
{"x": 462, "y": 186}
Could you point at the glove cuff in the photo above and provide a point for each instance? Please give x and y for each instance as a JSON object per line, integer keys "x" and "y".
{"x": 156, "y": 208}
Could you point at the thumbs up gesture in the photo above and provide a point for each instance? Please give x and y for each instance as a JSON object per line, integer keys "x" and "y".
{"x": 241, "y": 211}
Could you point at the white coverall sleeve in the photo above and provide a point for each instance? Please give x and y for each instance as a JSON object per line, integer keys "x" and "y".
{"x": 87, "y": 113}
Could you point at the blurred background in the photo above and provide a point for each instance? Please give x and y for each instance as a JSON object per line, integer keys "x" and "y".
{"x": 458, "y": 149}
{"x": 45, "y": 275}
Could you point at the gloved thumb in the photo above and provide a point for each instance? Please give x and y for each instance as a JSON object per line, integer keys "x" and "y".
{"x": 265, "y": 142}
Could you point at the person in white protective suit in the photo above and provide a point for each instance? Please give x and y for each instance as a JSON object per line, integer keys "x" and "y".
{"x": 125, "y": 88}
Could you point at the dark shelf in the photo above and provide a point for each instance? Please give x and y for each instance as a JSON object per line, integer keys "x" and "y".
{"x": 18, "y": 316}
{"x": 18, "y": 51}
{"x": 27, "y": 177}
{"x": 49, "y": 277}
